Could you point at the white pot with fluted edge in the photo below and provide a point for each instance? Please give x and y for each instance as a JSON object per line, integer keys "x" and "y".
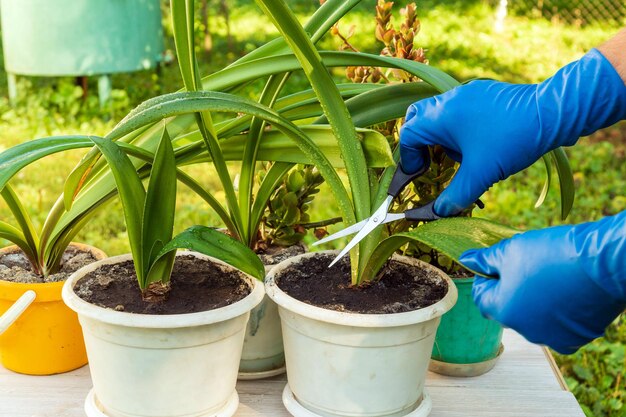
{"x": 359, "y": 365}
{"x": 176, "y": 365}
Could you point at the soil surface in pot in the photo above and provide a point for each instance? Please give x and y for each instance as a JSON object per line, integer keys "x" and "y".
{"x": 196, "y": 286}
{"x": 15, "y": 267}
{"x": 401, "y": 287}
{"x": 276, "y": 254}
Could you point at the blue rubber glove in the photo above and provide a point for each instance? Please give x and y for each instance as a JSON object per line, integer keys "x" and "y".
{"x": 496, "y": 129}
{"x": 560, "y": 286}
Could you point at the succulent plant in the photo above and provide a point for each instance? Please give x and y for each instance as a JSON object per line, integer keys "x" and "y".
{"x": 286, "y": 219}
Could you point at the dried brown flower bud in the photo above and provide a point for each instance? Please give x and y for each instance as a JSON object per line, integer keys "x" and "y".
{"x": 320, "y": 233}
{"x": 376, "y": 75}
{"x": 350, "y": 72}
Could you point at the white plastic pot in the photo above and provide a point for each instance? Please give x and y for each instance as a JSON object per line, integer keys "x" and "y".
{"x": 346, "y": 364}
{"x": 263, "y": 355}
{"x": 179, "y": 365}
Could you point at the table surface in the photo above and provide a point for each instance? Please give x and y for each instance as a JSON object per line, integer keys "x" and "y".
{"x": 525, "y": 382}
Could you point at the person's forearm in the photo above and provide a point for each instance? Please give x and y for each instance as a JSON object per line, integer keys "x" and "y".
{"x": 615, "y": 51}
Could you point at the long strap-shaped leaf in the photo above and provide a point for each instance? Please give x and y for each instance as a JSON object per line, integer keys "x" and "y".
{"x": 181, "y": 103}
{"x": 148, "y": 158}
{"x": 451, "y": 236}
{"x": 566, "y": 180}
{"x": 103, "y": 190}
{"x": 15, "y": 236}
{"x": 91, "y": 164}
{"x": 216, "y": 244}
{"x": 391, "y": 103}
{"x": 17, "y": 157}
{"x": 22, "y": 217}
{"x": 334, "y": 108}
{"x": 251, "y": 151}
{"x": 263, "y": 67}
{"x": 158, "y": 213}
{"x": 260, "y": 68}
{"x": 133, "y": 196}
{"x": 546, "y": 185}
{"x": 320, "y": 23}
{"x": 183, "y": 22}
{"x": 276, "y": 146}
{"x": 302, "y": 105}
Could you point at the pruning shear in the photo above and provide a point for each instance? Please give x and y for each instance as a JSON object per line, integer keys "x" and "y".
{"x": 381, "y": 216}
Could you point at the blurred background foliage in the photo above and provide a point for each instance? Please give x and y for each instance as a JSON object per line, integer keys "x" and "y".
{"x": 457, "y": 36}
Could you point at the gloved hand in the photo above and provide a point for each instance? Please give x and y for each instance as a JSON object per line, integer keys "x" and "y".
{"x": 560, "y": 286}
{"x": 496, "y": 129}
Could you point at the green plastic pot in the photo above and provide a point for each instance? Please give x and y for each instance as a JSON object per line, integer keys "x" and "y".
{"x": 467, "y": 344}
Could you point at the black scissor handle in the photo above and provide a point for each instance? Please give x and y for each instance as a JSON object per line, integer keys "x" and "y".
{"x": 423, "y": 214}
{"x": 401, "y": 179}
{"x": 427, "y": 213}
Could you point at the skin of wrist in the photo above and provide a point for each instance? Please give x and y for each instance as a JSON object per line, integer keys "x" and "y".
{"x": 615, "y": 51}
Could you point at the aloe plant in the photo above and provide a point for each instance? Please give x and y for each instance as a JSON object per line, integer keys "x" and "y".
{"x": 149, "y": 218}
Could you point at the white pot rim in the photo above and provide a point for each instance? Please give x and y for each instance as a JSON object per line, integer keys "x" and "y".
{"x": 154, "y": 321}
{"x": 358, "y": 319}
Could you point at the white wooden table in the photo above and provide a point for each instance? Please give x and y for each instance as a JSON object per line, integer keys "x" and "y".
{"x": 524, "y": 383}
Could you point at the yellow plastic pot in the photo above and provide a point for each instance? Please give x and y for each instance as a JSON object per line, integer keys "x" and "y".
{"x": 41, "y": 334}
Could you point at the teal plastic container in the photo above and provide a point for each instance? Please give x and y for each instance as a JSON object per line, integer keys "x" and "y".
{"x": 466, "y": 344}
{"x": 52, "y": 38}
{"x": 80, "y": 37}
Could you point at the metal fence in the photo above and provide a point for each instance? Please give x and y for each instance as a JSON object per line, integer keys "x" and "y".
{"x": 576, "y": 12}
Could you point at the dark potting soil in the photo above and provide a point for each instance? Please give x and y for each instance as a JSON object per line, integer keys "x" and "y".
{"x": 15, "y": 267}
{"x": 462, "y": 273}
{"x": 401, "y": 287}
{"x": 276, "y": 254}
{"x": 196, "y": 286}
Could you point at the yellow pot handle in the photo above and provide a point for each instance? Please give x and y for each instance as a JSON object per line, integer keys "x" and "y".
{"x": 16, "y": 310}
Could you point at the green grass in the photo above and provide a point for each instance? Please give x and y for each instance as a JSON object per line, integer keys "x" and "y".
{"x": 459, "y": 38}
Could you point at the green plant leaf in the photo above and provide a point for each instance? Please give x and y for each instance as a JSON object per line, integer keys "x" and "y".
{"x": 391, "y": 103}
{"x": 91, "y": 165}
{"x": 23, "y": 220}
{"x": 250, "y": 154}
{"x": 546, "y": 185}
{"x": 183, "y": 25}
{"x": 183, "y": 22}
{"x": 133, "y": 197}
{"x": 160, "y": 203}
{"x": 272, "y": 179}
{"x": 17, "y": 157}
{"x": 276, "y": 146}
{"x": 192, "y": 102}
{"x": 16, "y": 237}
{"x": 259, "y": 68}
{"x": 566, "y": 181}
{"x": 450, "y": 236}
{"x": 334, "y": 109}
{"x": 218, "y": 245}
{"x": 320, "y": 23}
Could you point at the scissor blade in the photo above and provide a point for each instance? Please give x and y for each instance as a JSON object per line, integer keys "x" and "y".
{"x": 392, "y": 217}
{"x": 344, "y": 232}
{"x": 372, "y": 223}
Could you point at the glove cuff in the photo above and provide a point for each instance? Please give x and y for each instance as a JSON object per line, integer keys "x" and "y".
{"x": 579, "y": 99}
{"x": 601, "y": 252}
